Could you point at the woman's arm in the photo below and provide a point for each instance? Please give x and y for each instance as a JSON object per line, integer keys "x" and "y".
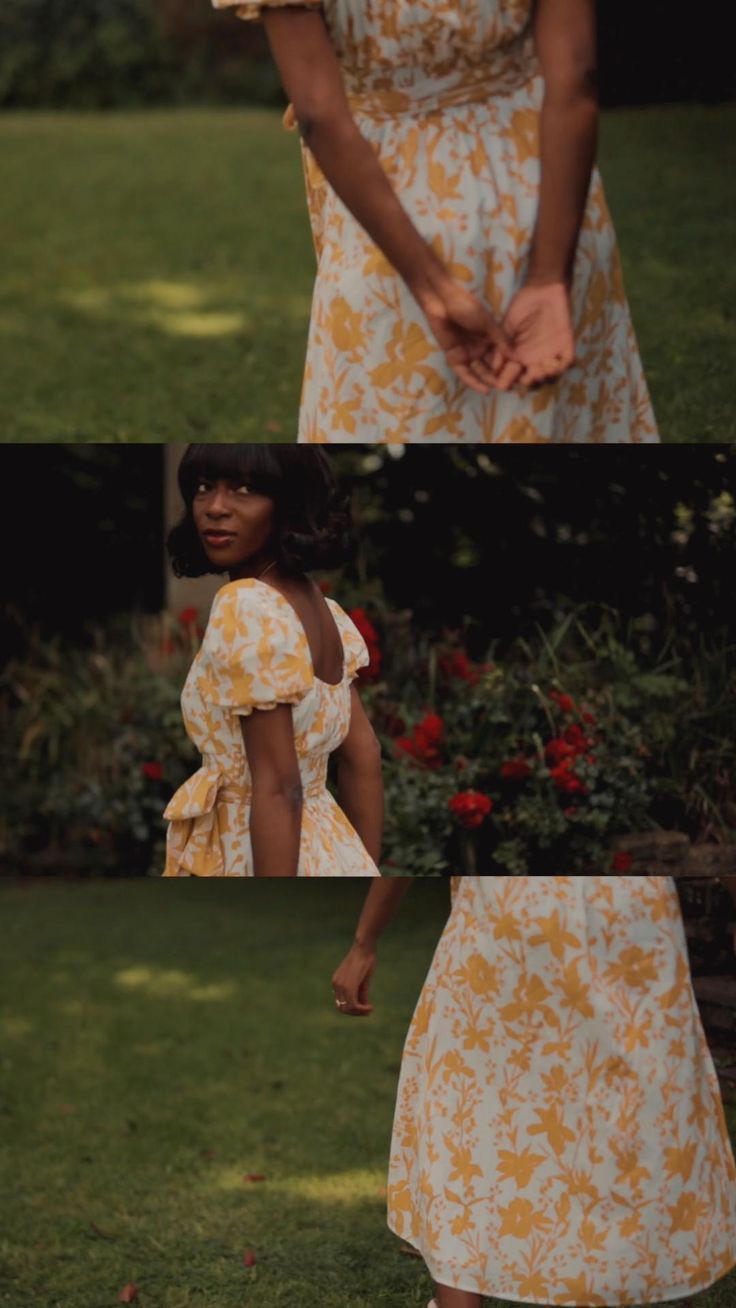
{"x": 359, "y": 778}
{"x": 312, "y": 79}
{"x": 276, "y": 805}
{"x": 351, "y": 980}
{"x": 539, "y": 319}
{"x": 565, "y": 34}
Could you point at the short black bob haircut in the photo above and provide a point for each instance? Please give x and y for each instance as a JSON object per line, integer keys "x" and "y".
{"x": 312, "y": 527}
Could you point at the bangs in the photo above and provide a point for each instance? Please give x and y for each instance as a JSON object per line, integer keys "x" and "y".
{"x": 257, "y": 465}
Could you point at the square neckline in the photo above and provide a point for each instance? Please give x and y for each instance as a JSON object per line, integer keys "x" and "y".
{"x": 333, "y": 685}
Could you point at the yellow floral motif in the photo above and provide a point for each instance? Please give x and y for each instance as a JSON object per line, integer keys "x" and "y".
{"x": 448, "y": 93}
{"x": 552, "y": 932}
{"x": 577, "y": 1156}
{"x": 254, "y": 656}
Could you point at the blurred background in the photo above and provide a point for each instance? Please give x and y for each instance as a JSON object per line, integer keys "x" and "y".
{"x": 551, "y": 633}
{"x": 145, "y": 301}
{"x": 82, "y": 53}
{"x": 453, "y": 534}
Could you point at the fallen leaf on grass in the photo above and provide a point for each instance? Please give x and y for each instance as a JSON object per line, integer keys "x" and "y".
{"x": 273, "y": 425}
{"x": 208, "y": 1153}
{"x": 254, "y": 1176}
{"x": 249, "y": 1258}
{"x": 128, "y": 1293}
{"x": 66, "y": 1108}
{"x": 104, "y": 1235}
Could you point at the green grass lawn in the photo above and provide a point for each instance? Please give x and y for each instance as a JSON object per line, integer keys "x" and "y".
{"x": 162, "y": 266}
{"x": 160, "y": 1045}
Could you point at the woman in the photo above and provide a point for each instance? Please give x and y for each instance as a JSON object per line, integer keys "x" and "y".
{"x": 559, "y": 1136}
{"x": 469, "y": 285}
{"x": 259, "y": 806}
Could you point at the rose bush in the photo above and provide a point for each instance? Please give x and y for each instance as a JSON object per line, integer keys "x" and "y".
{"x": 533, "y": 761}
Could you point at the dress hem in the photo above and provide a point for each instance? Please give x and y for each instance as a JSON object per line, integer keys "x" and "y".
{"x": 492, "y": 1292}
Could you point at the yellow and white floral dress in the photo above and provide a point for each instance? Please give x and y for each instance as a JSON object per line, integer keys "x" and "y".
{"x": 255, "y": 655}
{"x": 449, "y": 92}
{"x": 559, "y": 1134}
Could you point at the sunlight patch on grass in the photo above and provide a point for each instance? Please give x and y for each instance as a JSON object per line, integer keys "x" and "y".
{"x": 351, "y": 1187}
{"x": 157, "y": 983}
{"x": 199, "y": 325}
{"x": 175, "y": 308}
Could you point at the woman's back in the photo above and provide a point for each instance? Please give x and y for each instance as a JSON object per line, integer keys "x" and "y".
{"x": 262, "y": 649}
{"x": 320, "y": 628}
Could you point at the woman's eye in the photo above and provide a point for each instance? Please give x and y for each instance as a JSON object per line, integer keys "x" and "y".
{"x": 243, "y": 489}
{"x": 202, "y": 487}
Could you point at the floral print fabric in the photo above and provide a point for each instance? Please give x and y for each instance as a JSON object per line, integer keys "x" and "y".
{"x": 559, "y": 1134}
{"x": 448, "y": 92}
{"x": 255, "y": 655}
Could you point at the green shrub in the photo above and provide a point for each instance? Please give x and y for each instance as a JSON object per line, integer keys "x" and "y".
{"x": 92, "y": 746}
{"x": 104, "y": 53}
{"x": 530, "y": 762}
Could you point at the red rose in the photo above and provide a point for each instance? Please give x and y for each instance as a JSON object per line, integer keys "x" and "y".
{"x": 576, "y": 737}
{"x": 367, "y": 630}
{"x": 325, "y": 587}
{"x": 430, "y": 730}
{"x": 515, "y": 769}
{"x": 566, "y": 780}
{"x": 559, "y": 749}
{"x": 407, "y": 745}
{"x": 588, "y": 718}
{"x": 457, "y": 664}
{"x": 188, "y": 617}
{"x": 621, "y": 861}
{"x": 564, "y": 702}
{"x": 470, "y": 808}
{"x": 152, "y": 771}
{"x": 425, "y": 740}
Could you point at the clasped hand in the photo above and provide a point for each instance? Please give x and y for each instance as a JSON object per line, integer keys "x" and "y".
{"x": 534, "y": 343}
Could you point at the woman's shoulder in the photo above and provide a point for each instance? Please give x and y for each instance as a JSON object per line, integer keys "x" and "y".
{"x": 255, "y": 643}
{"x": 249, "y": 609}
{"x": 250, "y": 595}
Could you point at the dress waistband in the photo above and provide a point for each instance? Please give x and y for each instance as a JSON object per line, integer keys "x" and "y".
{"x": 508, "y": 70}
{"x": 198, "y": 820}
{"x": 477, "y": 84}
{"x": 210, "y": 787}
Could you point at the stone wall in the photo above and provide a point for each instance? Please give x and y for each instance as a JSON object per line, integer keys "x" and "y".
{"x": 670, "y": 853}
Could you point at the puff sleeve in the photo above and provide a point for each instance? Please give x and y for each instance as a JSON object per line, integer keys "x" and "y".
{"x": 252, "y": 10}
{"x": 354, "y": 646}
{"x": 255, "y": 652}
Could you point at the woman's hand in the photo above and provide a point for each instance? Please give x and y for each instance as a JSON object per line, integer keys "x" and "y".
{"x": 351, "y": 981}
{"x": 539, "y": 326}
{"x": 476, "y": 347}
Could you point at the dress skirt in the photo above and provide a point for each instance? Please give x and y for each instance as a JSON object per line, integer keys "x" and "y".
{"x": 559, "y": 1135}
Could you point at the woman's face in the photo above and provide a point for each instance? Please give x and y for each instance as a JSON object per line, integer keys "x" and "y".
{"x": 234, "y": 523}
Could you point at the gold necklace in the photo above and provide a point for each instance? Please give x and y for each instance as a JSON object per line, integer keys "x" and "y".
{"x": 266, "y": 569}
